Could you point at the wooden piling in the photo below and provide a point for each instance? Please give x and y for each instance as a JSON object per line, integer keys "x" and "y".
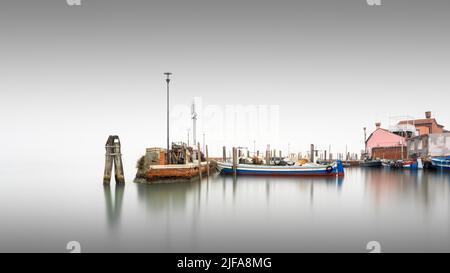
{"x": 268, "y": 155}
{"x": 184, "y": 153}
{"x": 234, "y": 160}
{"x": 311, "y": 154}
{"x": 113, "y": 156}
{"x": 224, "y": 154}
{"x": 207, "y": 159}
{"x": 118, "y": 165}
{"x": 199, "y": 161}
{"x": 108, "y": 164}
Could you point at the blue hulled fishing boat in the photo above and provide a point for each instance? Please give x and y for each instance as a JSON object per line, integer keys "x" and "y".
{"x": 442, "y": 162}
{"x": 308, "y": 169}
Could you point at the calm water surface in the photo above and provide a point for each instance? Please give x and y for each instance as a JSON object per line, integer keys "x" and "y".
{"x": 404, "y": 211}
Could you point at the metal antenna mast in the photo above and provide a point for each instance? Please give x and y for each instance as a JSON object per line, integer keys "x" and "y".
{"x": 194, "y": 123}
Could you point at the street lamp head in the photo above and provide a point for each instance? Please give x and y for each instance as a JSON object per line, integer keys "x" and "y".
{"x": 168, "y": 76}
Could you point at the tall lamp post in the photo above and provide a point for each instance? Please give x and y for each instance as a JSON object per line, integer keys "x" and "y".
{"x": 167, "y": 81}
{"x": 365, "y": 143}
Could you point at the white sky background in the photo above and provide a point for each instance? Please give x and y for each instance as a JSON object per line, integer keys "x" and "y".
{"x": 70, "y": 76}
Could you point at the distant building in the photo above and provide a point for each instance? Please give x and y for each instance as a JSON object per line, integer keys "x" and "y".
{"x": 429, "y": 145}
{"x": 425, "y": 126}
{"x": 409, "y": 138}
{"x": 384, "y": 144}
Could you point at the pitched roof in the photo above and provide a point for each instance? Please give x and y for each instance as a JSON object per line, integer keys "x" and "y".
{"x": 381, "y": 129}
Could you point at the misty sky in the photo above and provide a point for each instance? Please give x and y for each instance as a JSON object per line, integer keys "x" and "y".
{"x": 70, "y": 76}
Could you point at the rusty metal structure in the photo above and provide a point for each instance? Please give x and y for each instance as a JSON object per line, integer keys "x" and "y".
{"x": 153, "y": 167}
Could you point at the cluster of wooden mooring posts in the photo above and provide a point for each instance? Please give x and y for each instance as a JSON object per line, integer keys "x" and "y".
{"x": 113, "y": 156}
{"x": 312, "y": 156}
{"x": 236, "y": 153}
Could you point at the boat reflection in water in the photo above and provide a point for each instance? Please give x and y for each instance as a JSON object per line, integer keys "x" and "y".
{"x": 226, "y": 213}
{"x": 403, "y": 210}
{"x": 417, "y": 187}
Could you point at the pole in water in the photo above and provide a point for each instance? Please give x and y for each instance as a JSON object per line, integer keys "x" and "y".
{"x": 365, "y": 142}
{"x": 204, "y": 148}
{"x": 199, "y": 160}
{"x": 113, "y": 156}
{"x": 224, "y": 154}
{"x": 234, "y": 160}
{"x": 207, "y": 159}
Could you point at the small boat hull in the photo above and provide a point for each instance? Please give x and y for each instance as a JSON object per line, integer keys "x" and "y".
{"x": 441, "y": 162}
{"x": 174, "y": 172}
{"x": 336, "y": 169}
{"x": 411, "y": 165}
{"x": 371, "y": 164}
{"x": 399, "y": 164}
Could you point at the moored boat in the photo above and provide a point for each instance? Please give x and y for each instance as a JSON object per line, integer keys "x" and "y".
{"x": 370, "y": 163}
{"x": 413, "y": 164}
{"x": 442, "y": 162}
{"x": 308, "y": 169}
{"x": 406, "y": 164}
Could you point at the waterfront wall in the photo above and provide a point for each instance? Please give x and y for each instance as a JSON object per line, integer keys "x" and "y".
{"x": 382, "y": 138}
{"x": 429, "y": 145}
{"x": 391, "y": 153}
